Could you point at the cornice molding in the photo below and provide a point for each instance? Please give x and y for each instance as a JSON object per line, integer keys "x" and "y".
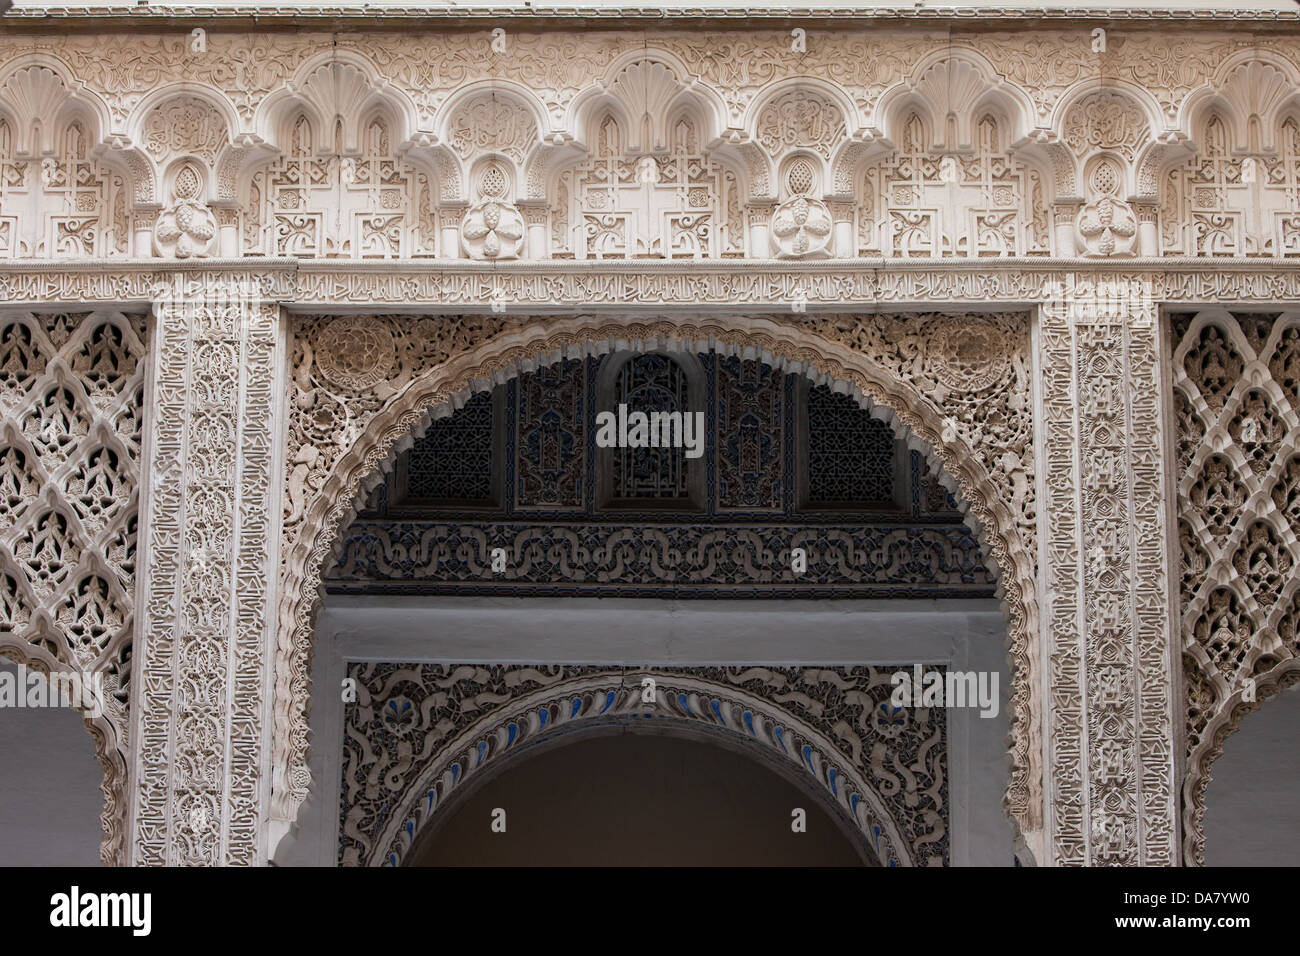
{"x": 265, "y": 15}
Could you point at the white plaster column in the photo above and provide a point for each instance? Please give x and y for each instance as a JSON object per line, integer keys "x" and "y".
{"x": 142, "y": 239}
{"x": 1063, "y": 215}
{"x": 1148, "y": 231}
{"x": 227, "y": 231}
{"x": 209, "y": 533}
{"x": 450, "y": 215}
{"x": 760, "y": 216}
{"x": 842, "y": 217}
{"x": 538, "y": 244}
{"x": 1109, "y": 643}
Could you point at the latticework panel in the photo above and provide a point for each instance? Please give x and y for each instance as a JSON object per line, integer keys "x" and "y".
{"x": 1237, "y": 405}
{"x": 71, "y": 396}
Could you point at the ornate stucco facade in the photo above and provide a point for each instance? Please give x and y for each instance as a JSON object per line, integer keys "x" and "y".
{"x": 243, "y": 268}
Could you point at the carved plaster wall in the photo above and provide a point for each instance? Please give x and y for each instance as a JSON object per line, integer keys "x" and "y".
{"x": 207, "y": 571}
{"x": 1108, "y": 626}
{"x": 639, "y": 167}
{"x": 949, "y": 383}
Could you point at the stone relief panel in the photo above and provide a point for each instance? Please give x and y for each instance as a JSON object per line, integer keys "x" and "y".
{"x": 185, "y": 226}
{"x": 979, "y": 202}
{"x": 1223, "y": 203}
{"x": 207, "y": 579}
{"x": 1105, "y": 132}
{"x": 320, "y": 199}
{"x": 493, "y": 227}
{"x": 676, "y": 202}
{"x": 64, "y": 204}
{"x": 1236, "y": 393}
{"x": 71, "y": 407}
{"x": 345, "y": 369}
{"x": 801, "y": 119}
{"x": 882, "y": 768}
{"x": 1107, "y": 626}
{"x": 677, "y": 561}
{"x": 739, "y": 63}
{"x": 187, "y": 125}
{"x": 187, "y": 140}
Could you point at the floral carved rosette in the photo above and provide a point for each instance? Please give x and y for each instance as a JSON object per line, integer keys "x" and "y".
{"x": 492, "y": 230}
{"x": 1108, "y": 228}
{"x": 801, "y": 227}
{"x": 187, "y": 226}
{"x": 970, "y": 357}
{"x": 355, "y": 353}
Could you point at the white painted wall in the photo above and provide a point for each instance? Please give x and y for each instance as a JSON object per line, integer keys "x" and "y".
{"x": 50, "y": 799}
{"x": 967, "y": 634}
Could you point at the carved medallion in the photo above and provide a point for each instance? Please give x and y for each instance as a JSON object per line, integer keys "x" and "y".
{"x": 969, "y": 357}
{"x": 355, "y": 353}
{"x": 186, "y": 227}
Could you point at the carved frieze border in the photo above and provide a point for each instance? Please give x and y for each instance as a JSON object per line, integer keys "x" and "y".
{"x": 207, "y": 570}
{"x": 1108, "y": 632}
{"x": 412, "y": 286}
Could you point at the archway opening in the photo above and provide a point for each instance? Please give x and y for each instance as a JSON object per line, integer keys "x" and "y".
{"x": 443, "y": 561}
{"x": 641, "y": 800}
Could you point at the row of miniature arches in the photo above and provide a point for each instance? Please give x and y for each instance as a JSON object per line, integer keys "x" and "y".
{"x": 493, "y": 172}
{"x": 1107, "y": 174}
{"x": 1252, "y": 123}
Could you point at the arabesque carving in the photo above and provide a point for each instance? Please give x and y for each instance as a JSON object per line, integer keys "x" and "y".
{"x": 988, "y": 167}
{"x": 663, "y": 148}
{"x": 816, "y": 725}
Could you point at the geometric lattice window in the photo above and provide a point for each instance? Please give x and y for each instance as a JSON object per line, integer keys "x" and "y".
{"x": 580, "y": 516}
{"x": 650, "y": 383}
{"x": 850, "y": 454}
{"x": 1238, "y": 420}
{"x": 750, "y": 466}
{"x": 453, "y": 463}
{"x": 550, "y": 437}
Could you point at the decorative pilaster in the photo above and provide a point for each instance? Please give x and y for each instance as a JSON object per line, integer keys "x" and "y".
{"x": 210, "y": 523}
{"x": 1108, "y": 639}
